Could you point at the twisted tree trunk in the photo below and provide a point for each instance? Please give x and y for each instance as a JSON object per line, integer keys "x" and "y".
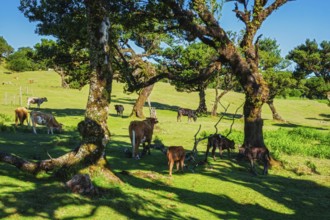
{"x": 137, "y": 110}
{"x": 217, "y": 100}
{"x": 276, "y": 116}
{"x": 94, "y": 130}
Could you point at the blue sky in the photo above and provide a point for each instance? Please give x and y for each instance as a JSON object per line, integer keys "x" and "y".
{"x": 291, "y": 25}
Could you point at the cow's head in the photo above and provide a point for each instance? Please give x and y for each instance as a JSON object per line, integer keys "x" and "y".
{"x": 231, "y": 144}
{"x": 152, "y": 120}
{"x": 194, "y": 115}
{"x": 59, "y": 127}
{"x": 45, "y": 99}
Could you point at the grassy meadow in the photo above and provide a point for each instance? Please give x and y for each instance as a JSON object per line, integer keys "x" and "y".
{"x": 223, "y": 189}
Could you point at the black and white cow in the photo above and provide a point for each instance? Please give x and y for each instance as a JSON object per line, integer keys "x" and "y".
{"x": 36, "y": 100}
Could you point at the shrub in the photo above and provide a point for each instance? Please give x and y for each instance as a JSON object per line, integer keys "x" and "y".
{"x": 299, "y": 141}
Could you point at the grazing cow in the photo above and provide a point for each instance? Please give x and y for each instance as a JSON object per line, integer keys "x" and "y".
{"x": 21, "y": 114}
{"x": 255, "y": 153}
{"x": 218, "y": 141}
{"x": 36, "y": 100}
{"x": 175, "y": 154}
{"x": 41, "y": 118}
{"x": 141, "y": 132}
{"x": 119, "y": 109}
{"x": 186, "y": 112}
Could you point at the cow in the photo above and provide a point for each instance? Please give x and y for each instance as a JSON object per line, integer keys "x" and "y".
{"x": 218, "y": 141}
{"x": 141, "y": 132}
{"x": 255, "y": 153}
{"x": 36, "y": 100}
{"x": 175, "y": 154}
{"x": 186, "y": 112}
{"x": 40, "y": 118}
{"x": 119, "y": 110}
{"x": 21, "y": 114}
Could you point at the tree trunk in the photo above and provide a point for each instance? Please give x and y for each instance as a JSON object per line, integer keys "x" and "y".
{"x": 94, "y": 130}
{"x": 256, "y": 93}
{"x": 276, "y": 116}
{"x": 138, "y": 106}
{"x": 60, "y": 72}
{"x": 217, "y": 100}
{"x": 202, "y": 109}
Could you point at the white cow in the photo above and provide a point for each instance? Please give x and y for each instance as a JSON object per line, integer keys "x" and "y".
{"x": 41, "y": 118}
{"x": 36, "y": 100}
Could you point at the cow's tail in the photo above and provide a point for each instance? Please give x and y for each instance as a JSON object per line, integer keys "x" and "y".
{"x": 133, "y": 142}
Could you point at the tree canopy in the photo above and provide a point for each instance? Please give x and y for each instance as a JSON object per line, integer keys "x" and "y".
{"x": 5, "y": 49}
{"x": 311, "y": 58}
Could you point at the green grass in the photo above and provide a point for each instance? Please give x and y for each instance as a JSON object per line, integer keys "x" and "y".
{"x": 224, "y": 189}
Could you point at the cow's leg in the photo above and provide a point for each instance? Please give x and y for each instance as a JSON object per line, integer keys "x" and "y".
{"x": 171, "y": 163}
{"x": 148, "y": 146}
{"x": 265, "y": 172}
{"x": 177, "y": 163}
{"x": 136, "y": 149}
{"x": 253, "y": 170}
{"x": 220, "y": 151}
{"x": 34, "y": 129}
{"x": 213, "y": 150}
{"x": 182, "y": 163}
{"x": 207, "y": 152}
{"x": 16, "y": 119}
{"x": 266, "y": 162}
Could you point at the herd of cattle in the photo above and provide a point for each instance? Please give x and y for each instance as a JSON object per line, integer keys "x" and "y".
{"x": 141, "y": 132}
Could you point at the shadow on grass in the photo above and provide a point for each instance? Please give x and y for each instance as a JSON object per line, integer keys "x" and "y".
{"x": 304, "y": 198}
{"x": 325, "y": 118}
{"x": 62, "y": 112}
{"x": 49, "y": 199}
{"x": 290, "y": 125}
{"x": 157, "y": 105}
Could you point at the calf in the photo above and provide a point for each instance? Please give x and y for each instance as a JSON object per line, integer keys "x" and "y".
{"x": 21, "y": 114}
{"x": 255, "y": 153}
{"x": 218, "y": 141}
{"x": 36, "y": 100}
{"x": 175, "y": 154}
{"x": 141, "y": 132}
{"x": 186, "y": 112}
{"x": 41, "y": 118}
{"x": 119, "y": 109}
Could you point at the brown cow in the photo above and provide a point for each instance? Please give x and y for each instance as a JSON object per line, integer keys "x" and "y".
{"x": 141, "y": 132}
{"x": 218, "y": 141}
{"x": 255, "y": 153}
{"x": 36, "y": 100}
{"x": 21, "y": 114}
{"x": 41, "y": 118}
{"x": 175, "y": 154}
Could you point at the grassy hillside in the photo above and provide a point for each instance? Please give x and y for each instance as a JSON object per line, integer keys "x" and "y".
{"x": 223, "y": 189}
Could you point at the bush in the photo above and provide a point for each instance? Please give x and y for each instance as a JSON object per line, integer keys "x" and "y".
{"x": 299, "y": 141}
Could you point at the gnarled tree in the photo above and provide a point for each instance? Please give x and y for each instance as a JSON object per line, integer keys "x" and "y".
{"x": 197, "y": 19}
{"x": 93, "y": 129}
